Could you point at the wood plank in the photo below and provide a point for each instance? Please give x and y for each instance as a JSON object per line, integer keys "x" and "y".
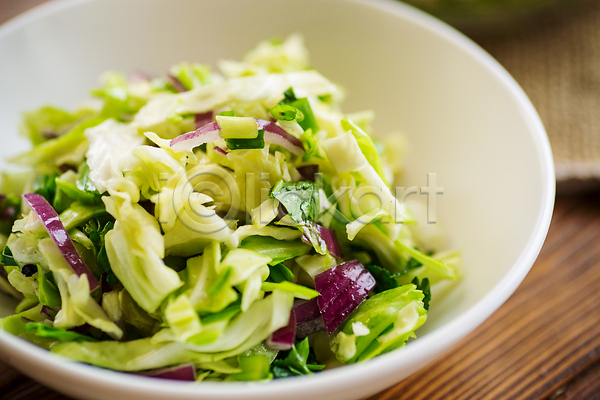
{"x": 586, "y": 386}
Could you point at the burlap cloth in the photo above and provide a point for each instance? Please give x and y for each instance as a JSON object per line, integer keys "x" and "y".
{"x": 556, "y": 59}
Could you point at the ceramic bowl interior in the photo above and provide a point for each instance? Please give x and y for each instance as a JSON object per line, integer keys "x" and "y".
{"x": 465, "y": 118}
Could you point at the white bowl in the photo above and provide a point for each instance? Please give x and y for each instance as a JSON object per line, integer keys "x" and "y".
{"x": 465, "y": 117}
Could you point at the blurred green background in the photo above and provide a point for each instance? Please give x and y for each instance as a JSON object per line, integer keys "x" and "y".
{"x": 494, "y": 16}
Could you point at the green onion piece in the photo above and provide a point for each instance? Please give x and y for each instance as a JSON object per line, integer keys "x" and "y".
{"x": 309, "y": 121}
{"x": 241, "y": 144}
{"x": 286, "y": 112}
{"x": 229, "y": 113}
{"x": 288, "y": 96}
{"x": 237, "y": 127}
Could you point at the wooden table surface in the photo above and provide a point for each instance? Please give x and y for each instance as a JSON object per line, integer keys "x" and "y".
{"x": 542, "y": 344}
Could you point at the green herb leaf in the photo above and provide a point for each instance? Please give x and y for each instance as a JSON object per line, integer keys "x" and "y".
{"x": 300, "y": 360}
{"x": 426, "y": 289}
{"x": 45, "y": 185}
{"x": 7, "y": 258}
{"x": 384, "y": 279}
{"x": 96, "y": 229}
{"x": 300, "y": 199}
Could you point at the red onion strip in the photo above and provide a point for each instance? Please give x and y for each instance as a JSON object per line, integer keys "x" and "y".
{"x": 308, "y": 318}
{"x": 276, "y": 135}
{"x": 202, "y": 119}
{"x": 220, "y": 150}
{"x": 59, "y": 236}
{"x": 330, "y": 239}
{"x": 308, "y": 172}
{"x": 45, "y": 312}
{"x": 176, "y": 83}
{"x": 139, "y": 76}
{"x": 182, "y": 372}
{"x": 9, "y": 212}
{"x": 283, "y": 338}
{"x": 186, "y": 142}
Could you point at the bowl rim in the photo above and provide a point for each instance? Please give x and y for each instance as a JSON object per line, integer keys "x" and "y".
{"x": 426, "y": 349}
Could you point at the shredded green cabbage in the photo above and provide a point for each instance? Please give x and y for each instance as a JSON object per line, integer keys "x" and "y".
{"x": 201, "y": 253}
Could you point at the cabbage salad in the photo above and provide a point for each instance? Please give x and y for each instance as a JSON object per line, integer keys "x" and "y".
{"x": 213, "y": 226}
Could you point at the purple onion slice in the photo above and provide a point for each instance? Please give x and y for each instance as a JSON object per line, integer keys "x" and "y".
{"x": 308, "y": 172}
{"x": 220, "y": 150}
{"x": 326, "y": 236}
{"x": 202, "y": 119}
{"x": 81, "y": 329}
{"x": 276, "y": 135}
{"x": 341, "y": 290}
{"x": 182, "y": 372}
{"x": 45, "y": 312}
{"x": 9, "y": 212}
{"x": 283, "y": 338}
{"x": 59, "y": 236}
{"x": 176, "y": 83}
{"x": 207, "y": 134}
{"x": 139, "y": 76}
{"x": 330, "y": 239}
{"x": 308, "y": 318}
